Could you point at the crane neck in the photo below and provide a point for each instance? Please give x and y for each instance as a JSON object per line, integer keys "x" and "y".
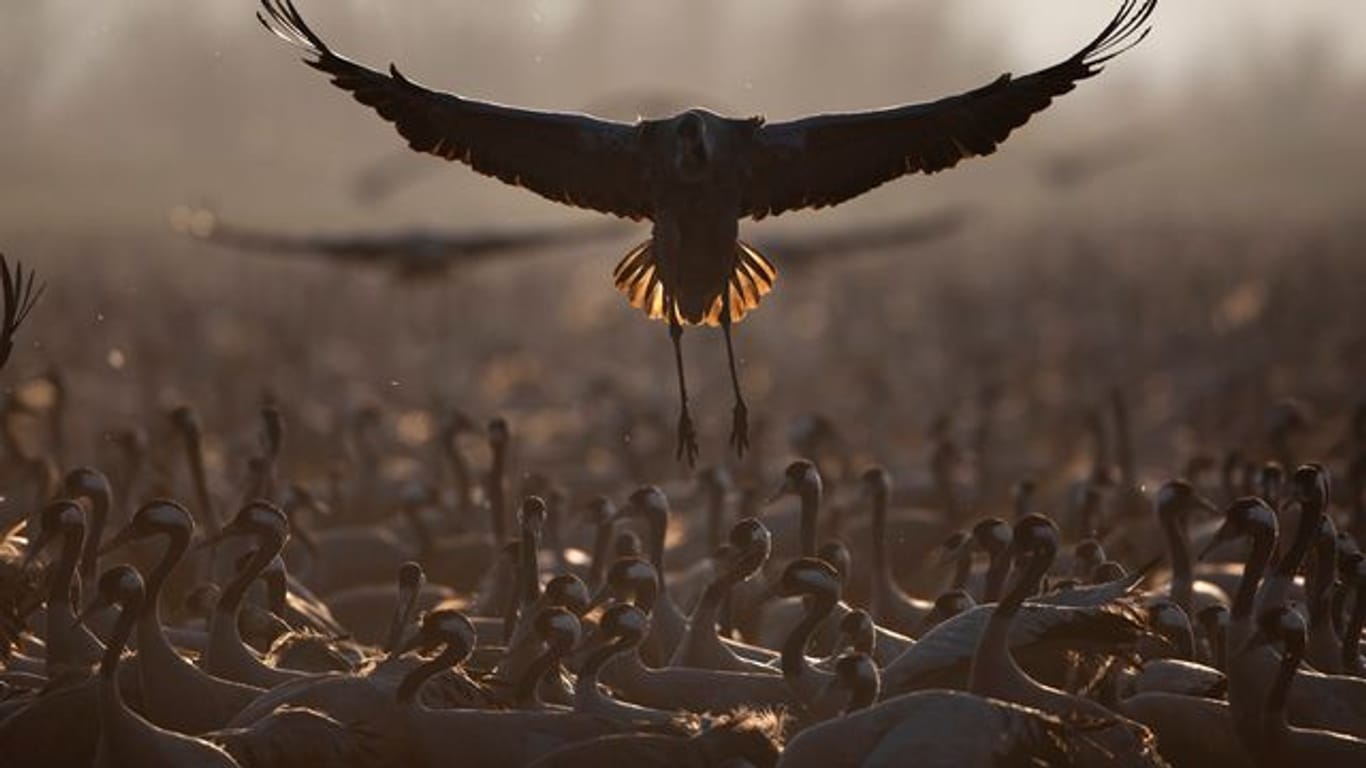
{"x": 810, "y": 512}
{"x": 497, "y": 493}
{"x": 526, "y": 695}
{"x": 177, "y": 544}
{"x": 451, "y": 655}
{"x": 817, "y": 609}
{"x": 99, "y": 514}
{"x": 267, "y": 547}
{"x": 118, "y": 639}
{"x": 592, "y": 666}
{"x": 1263, "y": 544}
{"x": 997, "y": 571}
{"x": 602, "y": 540}
{"x": 528, "y": 571}
{"x": 1173, "y": 523}
{"x": 64, "y": 575}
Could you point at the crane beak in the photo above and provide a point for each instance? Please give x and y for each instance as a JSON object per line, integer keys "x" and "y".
{"x": 783, "y": 490}
{"x": 1219, "y": 538}
{"x": 99, "y": 603}
{"x": 599, "y": 597}
{"x": 35, "y": 547}
{"x": 124, "y": 535}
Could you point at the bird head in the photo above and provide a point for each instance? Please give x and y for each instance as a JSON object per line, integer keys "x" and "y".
{"x": 752, "y": 544}
{"x": 877, "y": 484}
{"x": 800, "y": 477}
{"x": 693, "y": 145}
{"x": 624, "y": 620}
{"x": 1309, "y": 487}
{"x": 810, "y": 576}
{"x": 1247, "y": 516}
{"x": 159, "y": 516}
{"x": 58, "y": 517}
{"x": 260, "y": 519}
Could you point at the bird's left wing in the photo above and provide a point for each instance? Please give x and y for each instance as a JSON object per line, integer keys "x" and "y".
{"x": 827, "y": 159}
{"x": 573, "y": 159}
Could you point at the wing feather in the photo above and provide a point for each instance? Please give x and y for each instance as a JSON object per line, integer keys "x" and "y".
{"x": 826, "y": 159}
{"x": 569, "y": 158}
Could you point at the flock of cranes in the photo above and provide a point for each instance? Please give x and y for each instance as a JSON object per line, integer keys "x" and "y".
{"x": 821, "y": 612}
{"x": 406, "y": 624}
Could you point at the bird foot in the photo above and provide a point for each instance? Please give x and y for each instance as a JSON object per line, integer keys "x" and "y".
{"x": 739, "y": 428}
{"x": 687, "y": 439}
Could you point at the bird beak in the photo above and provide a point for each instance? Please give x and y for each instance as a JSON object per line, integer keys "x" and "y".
{"x": 35, "y": 547}
{"x": 1251, "y": 641}
{"x": 604, "y": 592}
{"x": 95, "y": 605}
{"x": 784, "y": 489}
{"x": 227, "y": 532}
{"x": 1219, "y": 537}
{"x": 947, "y": 556}
{"x": 124, "y": 536}
{"x": 415, "y": 641}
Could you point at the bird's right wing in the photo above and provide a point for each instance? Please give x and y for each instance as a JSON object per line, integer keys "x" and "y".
{"x": 827, "y": 159}
{"x": 573, "y": 159}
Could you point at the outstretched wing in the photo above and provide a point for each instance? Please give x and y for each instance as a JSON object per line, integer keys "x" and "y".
{"x": 827, "y": 159}
{"x": 572, "y": 159}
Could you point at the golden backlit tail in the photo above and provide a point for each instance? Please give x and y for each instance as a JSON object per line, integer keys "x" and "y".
{"x": 637, "y": 277}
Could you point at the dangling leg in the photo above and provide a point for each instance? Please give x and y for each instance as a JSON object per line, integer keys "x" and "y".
{"x": 687, "y": 436}
{"x": 739, "y": 420}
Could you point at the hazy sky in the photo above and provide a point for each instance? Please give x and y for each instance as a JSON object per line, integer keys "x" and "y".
{"x": 128, "y": 107}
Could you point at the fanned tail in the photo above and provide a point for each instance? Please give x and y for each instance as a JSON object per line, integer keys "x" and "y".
{"x": 637, "y": 277}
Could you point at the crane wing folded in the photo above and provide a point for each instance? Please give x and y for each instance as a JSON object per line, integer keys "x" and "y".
{"x": 824, "y": 160}
{"x": 569, "y": 158}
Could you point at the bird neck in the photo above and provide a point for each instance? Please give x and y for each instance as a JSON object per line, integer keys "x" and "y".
{"x": 810, "y": 512}
{"x": 194, "y": 455}
{"x": 588, "y": 674}
{"x": 1276, "y": 722}
{"x": 659, "y": 528}
{"x": 1263, "y": 543}
{"x": 177, "y": 544}
{"x": 527, "y": 694}
{"x": 73, "y": 540}
{"x": 602, "y": 540}
{"x": 1320, "y": 584}
{"x": 1351, "y": 638}
{"x": 528, "y": 572}
{"x": 881, "y": 573}
{"x": 862, "y": 695}
{"x": 1182, "y": 582}
{"x": 647, "y": 595}
{"x": 716, "y": 506}
{"x": 118, "y": 639}
{"x": 993, "y": 666}
{"x": 460, "y": 471}
{"x": 962, "y": 568}
{"x": 997, "y": 571}
{"x": 267, "y": 547}
{"x": 99, "y": 513}
{"x": 398, "y": 623}
{"x": 450, "y": 656}
{"x": 497, "y": 494}
{"x": 277, "y": 592}
{"x": 1311, "y": 517}
{"x": 817, "y": 608}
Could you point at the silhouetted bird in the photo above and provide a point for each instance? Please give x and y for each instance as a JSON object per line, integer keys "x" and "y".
{"x": 413, "y": 254}
{"x": 826, "y": 245}
{"x": 696, "y": 174}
